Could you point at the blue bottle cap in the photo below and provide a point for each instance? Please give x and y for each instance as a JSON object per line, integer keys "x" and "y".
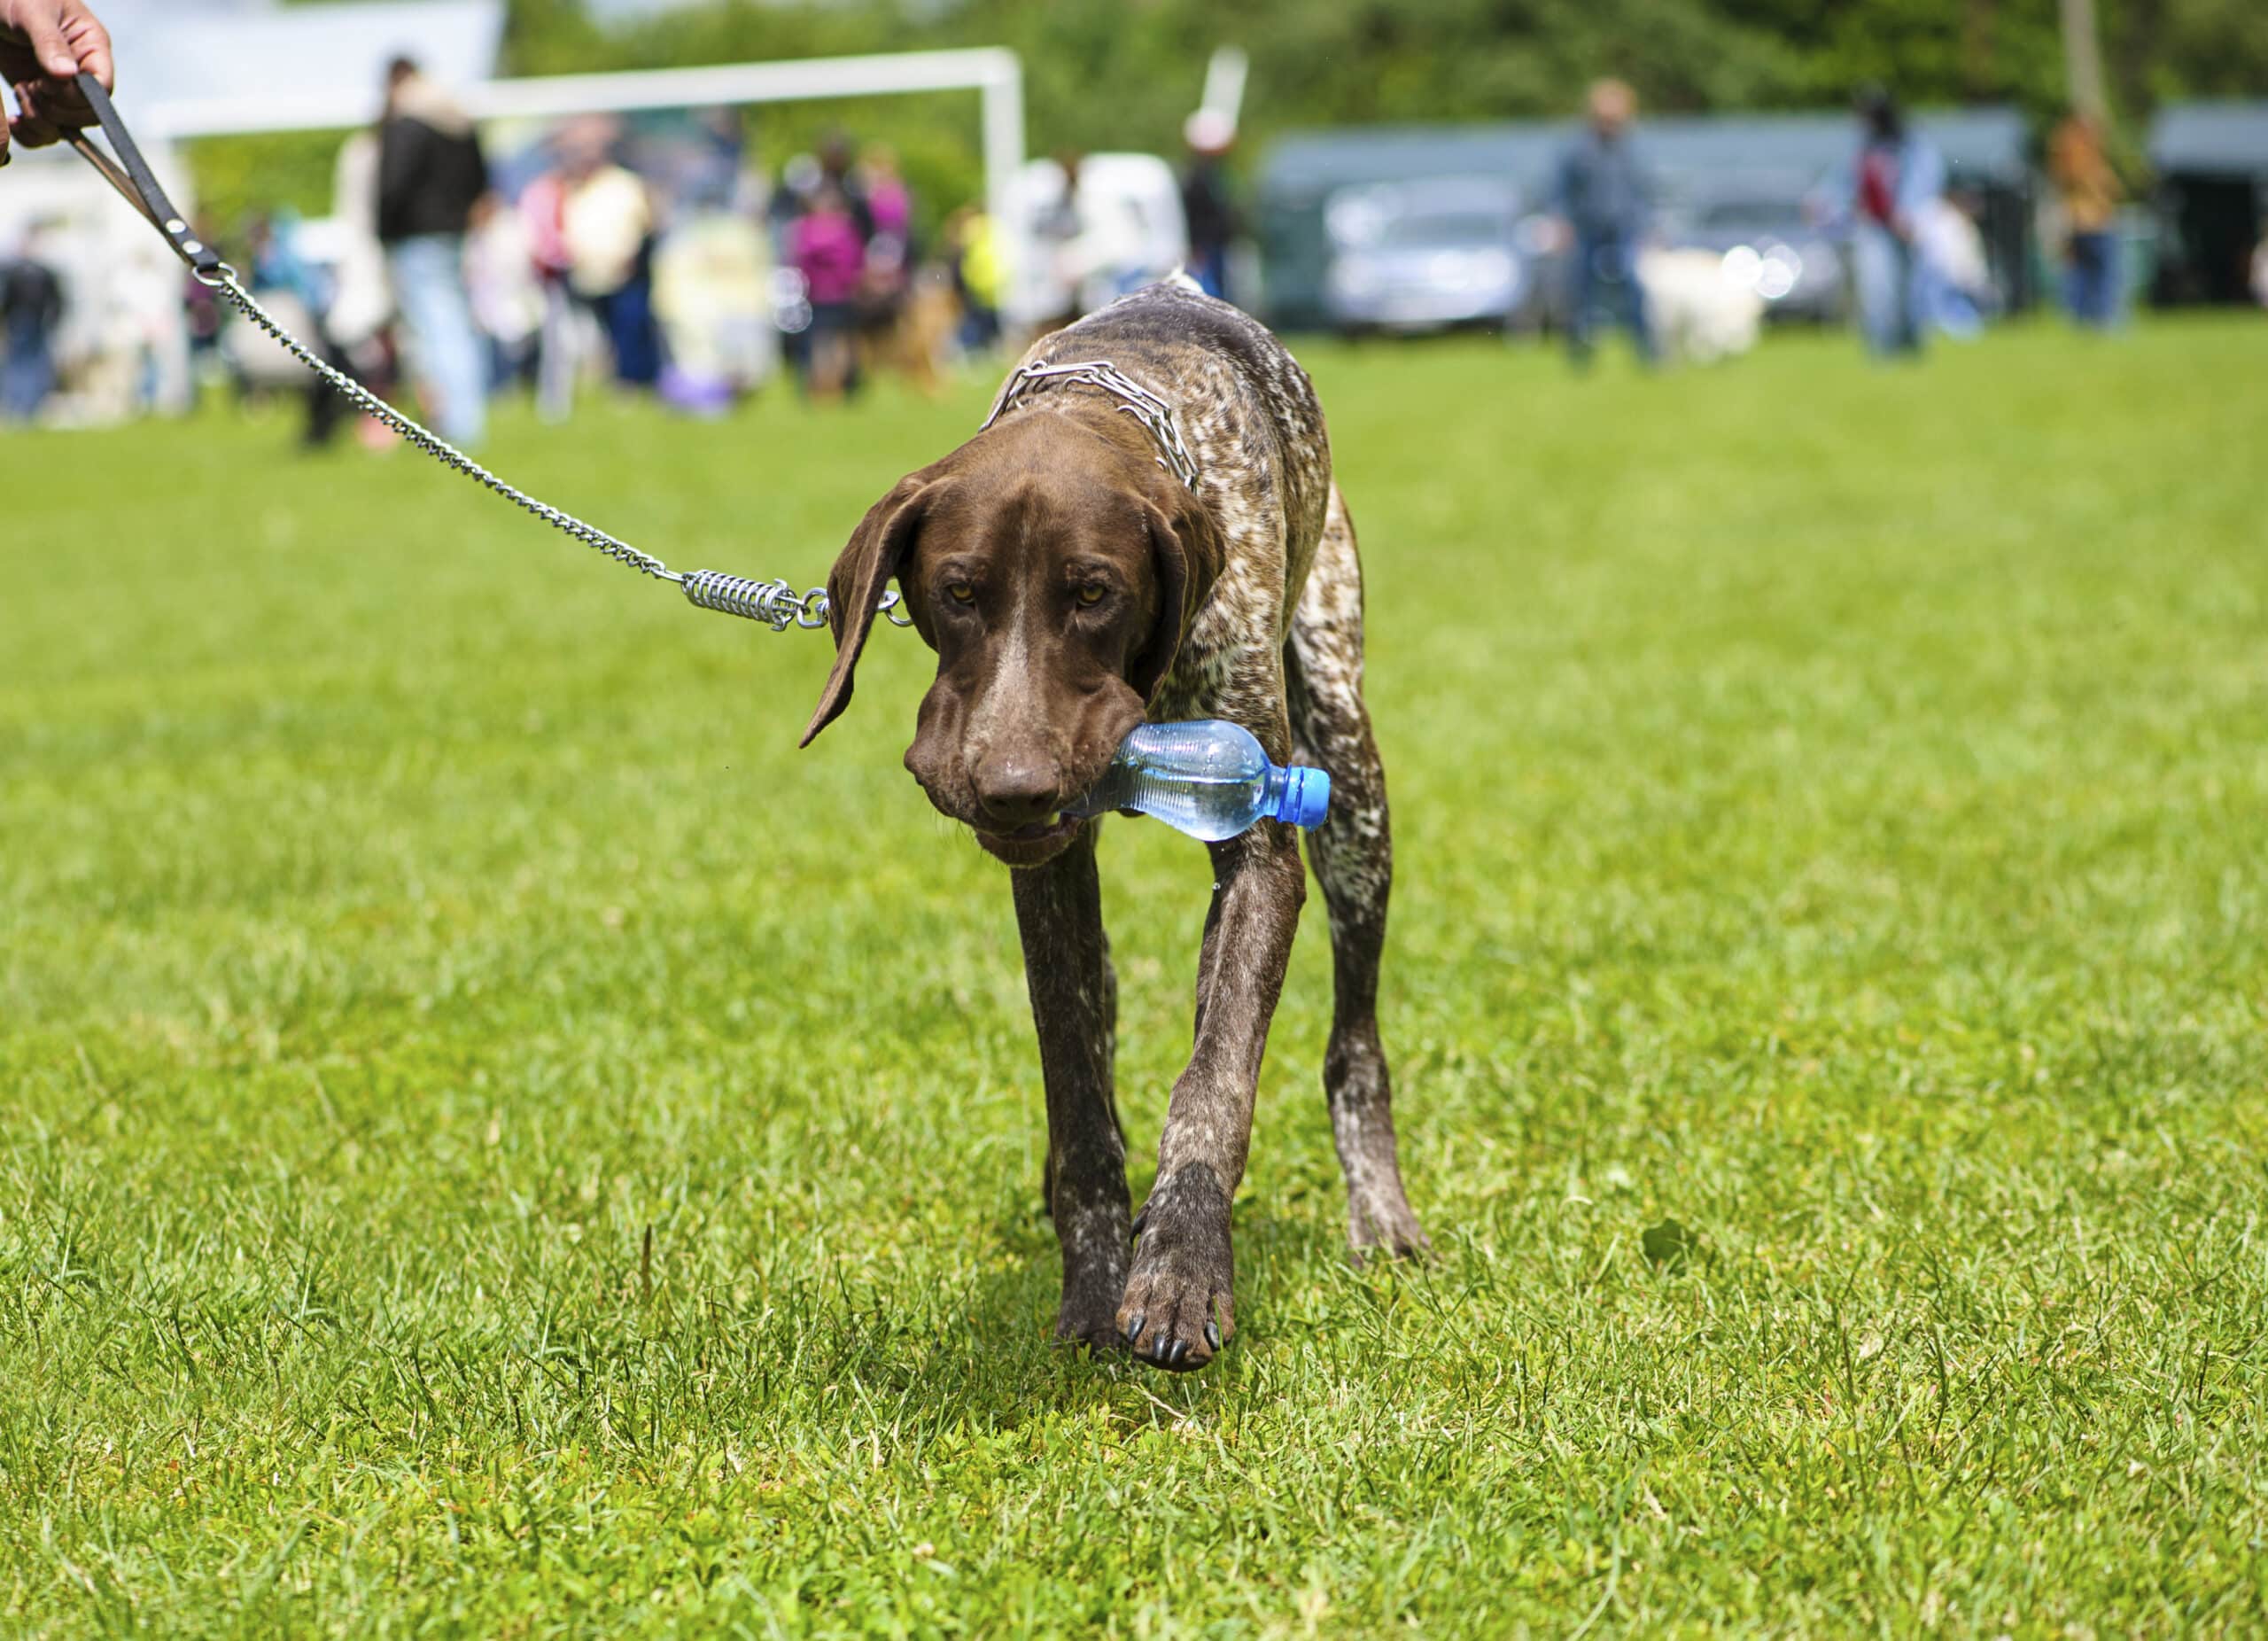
{"x": 1307, "y": 795}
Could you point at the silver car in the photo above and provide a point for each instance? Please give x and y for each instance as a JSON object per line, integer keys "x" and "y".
{"x": 1771, "y": 247}
{"x": 1422, "y": 255}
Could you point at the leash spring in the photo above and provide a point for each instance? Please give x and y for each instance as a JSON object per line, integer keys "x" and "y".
{"x": 775, "y": 603}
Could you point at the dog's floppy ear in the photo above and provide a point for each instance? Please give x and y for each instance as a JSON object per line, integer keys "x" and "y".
{"x": 877, "y": 549}
{"x": 1186, "y": 553}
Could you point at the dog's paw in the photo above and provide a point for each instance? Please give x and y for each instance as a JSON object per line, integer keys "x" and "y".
{"x": 1095, "y": 1326}
{"x": 1180, "y": 1307}
{"x": 1381, "y": 1226}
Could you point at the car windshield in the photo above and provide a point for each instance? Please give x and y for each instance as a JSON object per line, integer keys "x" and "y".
{"x": 1743, "y": 216}
{"x": 1443, "y": 227}
{"x": 1434, "y": 214}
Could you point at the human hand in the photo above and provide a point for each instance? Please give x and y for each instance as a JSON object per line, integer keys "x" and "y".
{"x": 45, "y": 45}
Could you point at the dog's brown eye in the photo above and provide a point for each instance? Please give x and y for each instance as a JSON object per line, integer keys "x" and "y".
{"x": 960, "y": 591}
{"x": 1091, "y": 595}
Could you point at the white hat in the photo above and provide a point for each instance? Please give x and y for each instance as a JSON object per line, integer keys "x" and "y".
{"x": 1209, "y": 131}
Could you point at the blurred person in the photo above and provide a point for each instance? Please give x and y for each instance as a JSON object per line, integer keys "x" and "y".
{"x": 1056, "y": 230}
{"x": 1957, "y": 274}
{"x": 1896, "y": 183}
{"x": 799, "y": 181}
{"x": 31, "y": 313}
{"x": 2260, "y": 273}
{"x": 1094, "y": 240}
{"x": 712, "y": 297}
{"x": 890, "y": 202}
{"x": 1604, "y": 201}
{"x": 361, "y": 308}
{"x": 838, "y": 164}
{"x": 432, "y": 177}
{"x": 887, "y": 279}
{"x": 302, "y": 295}
{"x": 607, "y": 224}
{"x": 2088, "y": 189}
{"x": 508, "y": 296}
{"x": 45, "y": 45}
{"x": 201, "y": 314}
{"x": 1207, "y": 207}
{"x": 830, "y": 253}
{"x": 976, "y": 259}
{"x": 542, "y": 213}
{"x": 712, "y": 175}
{"x": 146, "y": 328}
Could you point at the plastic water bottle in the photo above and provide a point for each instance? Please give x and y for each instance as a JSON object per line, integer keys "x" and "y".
{"x": 1208, "y": 779}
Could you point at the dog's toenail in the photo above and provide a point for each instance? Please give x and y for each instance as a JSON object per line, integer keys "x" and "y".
{"x": 1134, "y": 1328}
{"x": 1213, "y": 1335}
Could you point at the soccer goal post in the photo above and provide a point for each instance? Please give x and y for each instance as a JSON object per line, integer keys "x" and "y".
{"x": 994, "y": 71}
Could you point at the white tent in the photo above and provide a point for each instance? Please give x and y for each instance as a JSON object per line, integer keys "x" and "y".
{"x": 177, "y": 55}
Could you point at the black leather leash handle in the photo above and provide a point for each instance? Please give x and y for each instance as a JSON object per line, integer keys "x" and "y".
{"x": 145, "y": 191}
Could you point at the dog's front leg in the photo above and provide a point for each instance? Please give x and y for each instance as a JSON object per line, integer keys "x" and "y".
{"x": 1180, "y": 1301}
{"x": 1074, "y": 1005}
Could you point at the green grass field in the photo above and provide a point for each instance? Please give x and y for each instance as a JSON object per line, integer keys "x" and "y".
{"x": 496, "y": 1143}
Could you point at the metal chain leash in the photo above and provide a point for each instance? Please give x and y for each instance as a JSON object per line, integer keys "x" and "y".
{"x": 775, "y": 603}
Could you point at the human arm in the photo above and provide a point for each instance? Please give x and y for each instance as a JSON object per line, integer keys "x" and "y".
{"x": 1921, "y": 183}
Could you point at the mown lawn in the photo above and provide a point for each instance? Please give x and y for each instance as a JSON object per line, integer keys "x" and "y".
{"x": 496, "y": 1142}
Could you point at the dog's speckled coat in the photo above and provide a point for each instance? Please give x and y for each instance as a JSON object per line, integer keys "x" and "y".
{"x": 1274, "y": 644}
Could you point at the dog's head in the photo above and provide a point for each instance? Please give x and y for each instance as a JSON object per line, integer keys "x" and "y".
{"x": 1053, "y": 567}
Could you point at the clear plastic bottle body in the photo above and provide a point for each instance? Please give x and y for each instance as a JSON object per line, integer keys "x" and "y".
{"x": 1208, "y": 779}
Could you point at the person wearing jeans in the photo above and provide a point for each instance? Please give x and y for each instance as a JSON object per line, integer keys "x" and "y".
{"x": 432, "y": 177}
{"x": 446, "y": 354}
{"x": 1897, "y": 182}
{"x": 2088, "y": 189}
{"x": 1602, "y": 198}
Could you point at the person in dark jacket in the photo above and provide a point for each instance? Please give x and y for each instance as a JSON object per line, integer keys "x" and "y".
{"x": 1603, "y": 196}
{"x": 432, "y": 178}
{"x": 1897, "y": 180}
{"x": 31, "y": 311}
{"x": 1206, "y": 203}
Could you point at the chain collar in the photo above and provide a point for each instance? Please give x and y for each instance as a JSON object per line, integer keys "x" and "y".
{"x": 1155, "y": 414}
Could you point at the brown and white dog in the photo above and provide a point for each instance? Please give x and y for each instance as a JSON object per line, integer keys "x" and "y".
{"x": 1074, "y": 585}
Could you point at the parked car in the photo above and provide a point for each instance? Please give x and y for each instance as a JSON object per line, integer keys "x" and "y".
{"x": 1423, "y": 254}
{"x": 1766, "y": 243}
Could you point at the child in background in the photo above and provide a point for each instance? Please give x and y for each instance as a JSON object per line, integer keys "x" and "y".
{"x": 830, "y": 253}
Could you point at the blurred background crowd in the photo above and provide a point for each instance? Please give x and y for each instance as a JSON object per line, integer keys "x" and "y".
{"x": 700, "y": 253}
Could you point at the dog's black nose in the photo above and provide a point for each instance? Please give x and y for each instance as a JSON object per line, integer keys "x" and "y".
{"x": 1017, "y": 789}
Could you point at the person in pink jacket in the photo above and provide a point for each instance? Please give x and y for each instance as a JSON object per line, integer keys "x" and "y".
{"x": 830, "y": 253}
